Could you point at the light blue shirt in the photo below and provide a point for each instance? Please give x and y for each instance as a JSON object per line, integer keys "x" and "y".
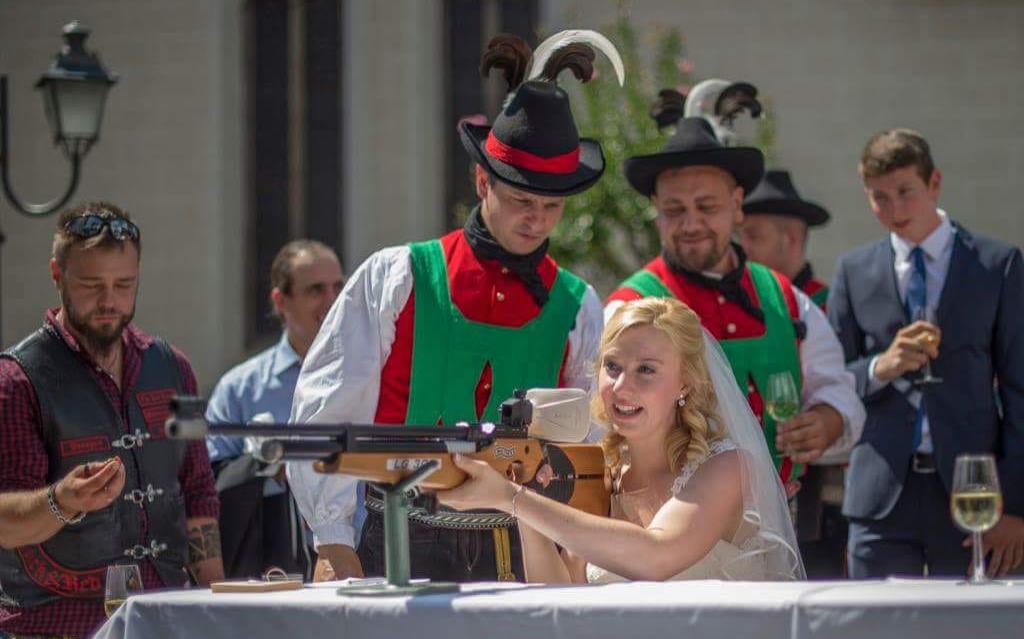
{"x": 262, "y": 384}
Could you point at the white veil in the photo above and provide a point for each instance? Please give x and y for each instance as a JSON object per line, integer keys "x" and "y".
{"x": 766, "y": 539}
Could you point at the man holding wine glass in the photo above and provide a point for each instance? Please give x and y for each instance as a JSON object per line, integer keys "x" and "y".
{"x": 765, "y": 325}
{"x": 931, "y": 282}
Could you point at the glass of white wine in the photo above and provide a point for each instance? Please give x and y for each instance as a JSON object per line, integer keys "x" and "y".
{"x": 782, "y": 400}
{"x": 927, "y": 377}
{"x": 976, "y": 504}
{"x": 123, "y": 580}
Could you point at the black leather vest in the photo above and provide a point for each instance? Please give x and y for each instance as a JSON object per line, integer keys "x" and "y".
{"x": 79, "y": 425}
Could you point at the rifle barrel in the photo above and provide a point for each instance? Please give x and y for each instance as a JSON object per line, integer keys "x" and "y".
{"x": 279, "y": 430}
{"x": 275, "y": 450}
{"x": 360, "y": 432}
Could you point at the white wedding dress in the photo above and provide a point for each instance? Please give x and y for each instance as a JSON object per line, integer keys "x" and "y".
{"x": 727, "y": 560}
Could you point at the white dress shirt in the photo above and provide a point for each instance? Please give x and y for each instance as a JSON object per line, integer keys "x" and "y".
{"x": 938, "y": 250}
{"x": 340, "y": 378}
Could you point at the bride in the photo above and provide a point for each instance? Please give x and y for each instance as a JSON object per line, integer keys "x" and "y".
{"x": 694, "y": 492}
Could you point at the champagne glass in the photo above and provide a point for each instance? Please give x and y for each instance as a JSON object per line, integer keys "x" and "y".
{"x": 782, "y": 401}
{"x": 123, "y": 580}
{"x": 924, "y": 315}
{"x": 976, "y": 504}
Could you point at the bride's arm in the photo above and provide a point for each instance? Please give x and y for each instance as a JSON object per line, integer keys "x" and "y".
{"x": 541, "y": 559}
{"x": 683, "y": 531}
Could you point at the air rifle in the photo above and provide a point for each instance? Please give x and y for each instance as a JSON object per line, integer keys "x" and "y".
{"x": 537, "y": 427}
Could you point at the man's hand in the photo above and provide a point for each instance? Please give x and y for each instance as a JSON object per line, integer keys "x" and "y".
{"x": 1006, "y": 543}
{"x": 336, "y": 561}
{"x": 910, "y": 350}
{"x": 806, "y": 436}
{"x": 26, "y": 518}
{"x": 90, "y": 487}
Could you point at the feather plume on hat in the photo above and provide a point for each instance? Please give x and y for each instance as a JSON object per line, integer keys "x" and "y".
{"x": 720, "y": 102}
{"x": 573, "y": 49}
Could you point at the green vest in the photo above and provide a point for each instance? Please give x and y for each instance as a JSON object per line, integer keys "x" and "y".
{"x": 820, "y": 297}
{"x": 450, "y": 352}
{"x": 754, "y": 358}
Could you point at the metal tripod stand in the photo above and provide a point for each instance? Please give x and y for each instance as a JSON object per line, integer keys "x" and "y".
{"x": 397, "y": 499}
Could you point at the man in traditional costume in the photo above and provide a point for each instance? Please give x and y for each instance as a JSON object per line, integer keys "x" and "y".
{"x": 776, "y": 222}
{"x": 764, "y": 324}
{"x": 445, "y": 330}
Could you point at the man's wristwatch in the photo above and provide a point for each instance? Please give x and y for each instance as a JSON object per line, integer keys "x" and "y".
{"x": 51, "y": 499}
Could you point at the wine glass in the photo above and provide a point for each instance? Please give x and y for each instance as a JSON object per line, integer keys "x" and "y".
{"x": 925, "y": 315}
{"x": 976, "y": 504}
{"x": 782, "y": 400}
{"x": 123, "y": 580}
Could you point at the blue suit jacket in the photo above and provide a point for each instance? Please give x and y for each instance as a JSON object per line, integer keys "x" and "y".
{"x": 981, "y": 315}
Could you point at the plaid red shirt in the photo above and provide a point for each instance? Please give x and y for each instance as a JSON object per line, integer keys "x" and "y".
{"x": 24, "y": 463}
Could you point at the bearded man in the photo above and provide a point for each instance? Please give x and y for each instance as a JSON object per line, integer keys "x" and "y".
{"x": 87, "y": 476}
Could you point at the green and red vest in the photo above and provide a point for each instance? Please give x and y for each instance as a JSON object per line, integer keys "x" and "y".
{"x": 450, "y": 352}
{"x": 811, "y": 286}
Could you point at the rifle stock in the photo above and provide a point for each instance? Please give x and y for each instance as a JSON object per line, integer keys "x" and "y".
{"x": 578, "y": 472}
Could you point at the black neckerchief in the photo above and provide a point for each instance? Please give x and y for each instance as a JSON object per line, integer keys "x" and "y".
{"x": 485, "y": 247}
{"x": 728, "y": 285}
{"x": 803, "y": 277}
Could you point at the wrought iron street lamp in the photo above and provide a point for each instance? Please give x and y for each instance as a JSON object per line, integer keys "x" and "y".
{"x": 74, "y": 91}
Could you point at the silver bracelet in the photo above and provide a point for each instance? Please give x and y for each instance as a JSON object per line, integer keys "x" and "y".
{"x": 519, "y": 491}
{"x": 51, "y": 499}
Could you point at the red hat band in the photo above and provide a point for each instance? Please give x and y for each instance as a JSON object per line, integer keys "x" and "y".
{"x": 558, "y": 164}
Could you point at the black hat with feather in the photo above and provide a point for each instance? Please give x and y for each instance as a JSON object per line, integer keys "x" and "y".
{"x": 700, "y": 126}
{"x": 534, "y": 144}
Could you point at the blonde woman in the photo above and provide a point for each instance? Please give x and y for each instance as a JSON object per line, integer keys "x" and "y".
{"x": 695, "y": 494}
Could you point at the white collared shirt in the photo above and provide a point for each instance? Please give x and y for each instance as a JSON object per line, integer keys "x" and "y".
{"x": 938, "y": 250}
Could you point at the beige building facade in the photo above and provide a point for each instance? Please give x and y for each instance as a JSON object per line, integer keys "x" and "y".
{"x": 175, "y": 144}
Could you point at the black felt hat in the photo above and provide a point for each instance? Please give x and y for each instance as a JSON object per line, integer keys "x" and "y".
{"x": 534, "y": 144}
{"x": 694, "y": 144}
{"x": 776, "y": 195}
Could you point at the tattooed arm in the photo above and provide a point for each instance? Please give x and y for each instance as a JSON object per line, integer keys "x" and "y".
{"x": 204, "y": 558}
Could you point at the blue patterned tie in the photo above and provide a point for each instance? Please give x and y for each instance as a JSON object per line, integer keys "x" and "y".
{"x": 917, "y": 287}
{"x": 915, "y": 304}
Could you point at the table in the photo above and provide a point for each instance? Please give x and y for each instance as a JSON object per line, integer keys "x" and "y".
{"x": 906, "y": 609}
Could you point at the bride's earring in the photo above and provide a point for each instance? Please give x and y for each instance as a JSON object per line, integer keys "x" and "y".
{"x": 681, "y": 400}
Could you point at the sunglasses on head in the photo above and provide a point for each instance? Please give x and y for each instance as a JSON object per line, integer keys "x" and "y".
{"x": 91, "y": 225}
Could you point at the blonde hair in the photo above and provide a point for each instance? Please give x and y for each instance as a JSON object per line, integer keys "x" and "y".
{"x": 697, "y": 423}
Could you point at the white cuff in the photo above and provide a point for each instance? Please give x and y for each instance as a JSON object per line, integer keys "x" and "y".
{"x": 333, "y": 533}
{"x": 839, "y": 451}
{"x": 874, "y": 384}
{"x": 852, "y": 414}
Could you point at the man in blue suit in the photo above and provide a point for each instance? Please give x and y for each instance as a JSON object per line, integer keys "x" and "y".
{"x": 931, "y": 291}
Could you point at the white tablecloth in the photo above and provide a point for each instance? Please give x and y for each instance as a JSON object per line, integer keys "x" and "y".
{"x": 689, "y": 609}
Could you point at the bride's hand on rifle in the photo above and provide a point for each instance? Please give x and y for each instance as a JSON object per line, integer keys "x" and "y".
{"x": 484, "y": 487}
